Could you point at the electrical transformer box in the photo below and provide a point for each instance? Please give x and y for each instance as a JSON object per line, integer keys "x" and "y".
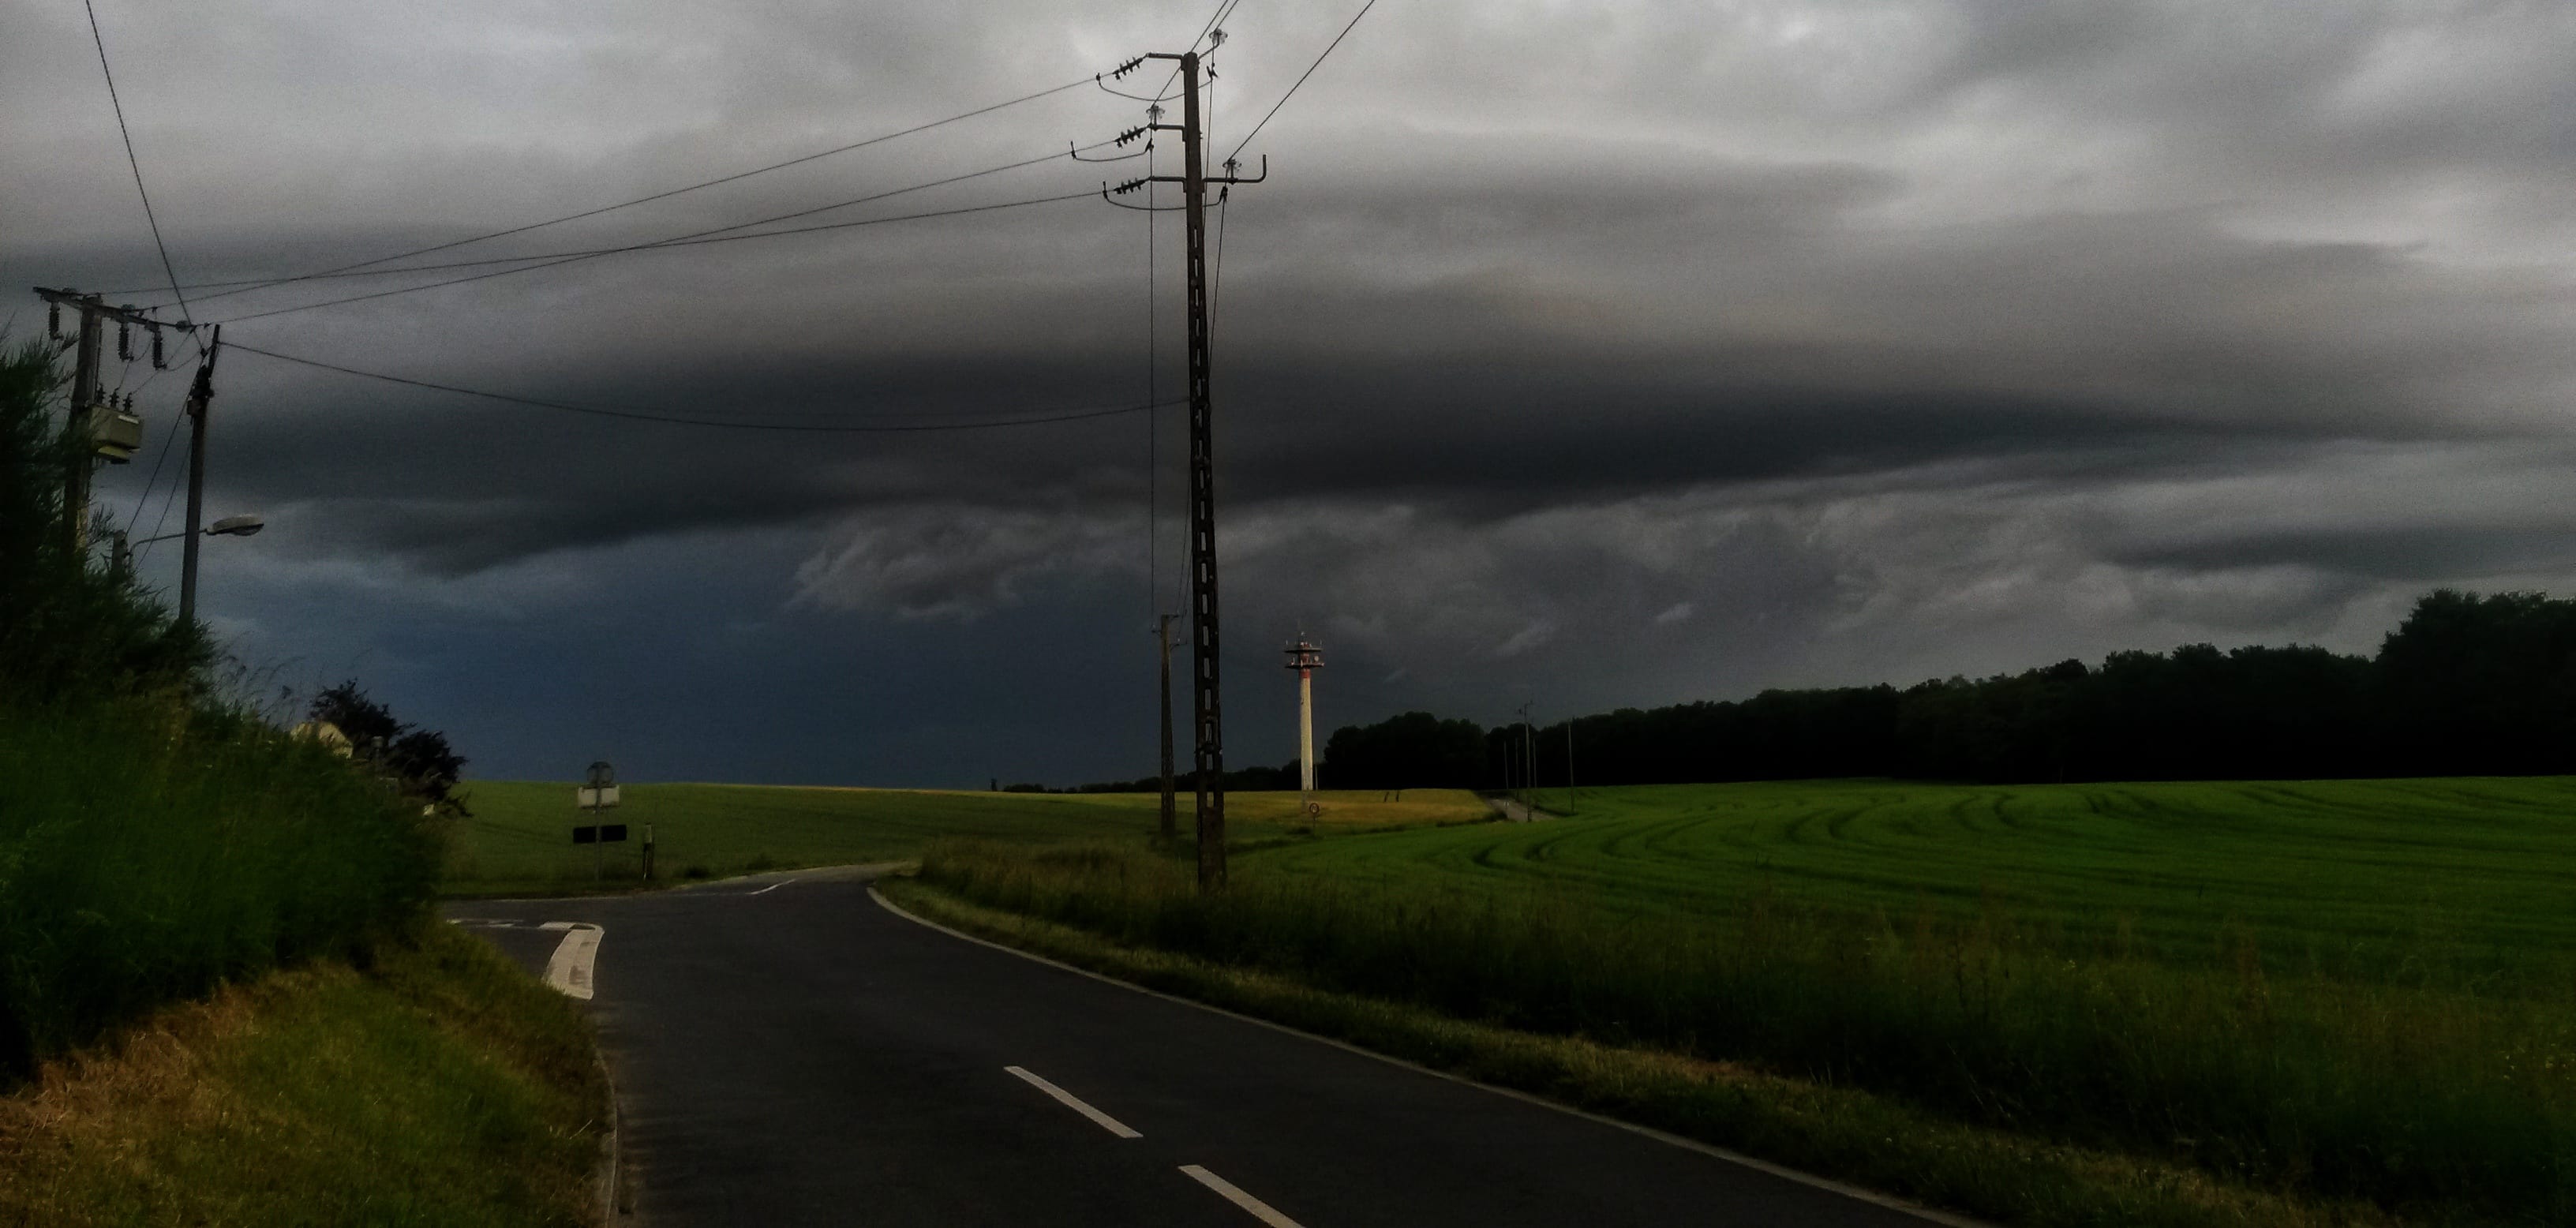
{"x": 115, "y": 433}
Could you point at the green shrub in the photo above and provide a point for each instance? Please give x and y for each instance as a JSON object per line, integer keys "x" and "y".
{"x": 147, "y": 853}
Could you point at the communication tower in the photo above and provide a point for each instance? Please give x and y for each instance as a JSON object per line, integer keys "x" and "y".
{"x": 1305, "y": 658}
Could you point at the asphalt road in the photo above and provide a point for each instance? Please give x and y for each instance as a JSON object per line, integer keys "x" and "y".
{"x": 789, "y": 1052}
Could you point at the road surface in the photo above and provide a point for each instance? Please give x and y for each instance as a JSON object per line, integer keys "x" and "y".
{"x": 789, "y": 1052}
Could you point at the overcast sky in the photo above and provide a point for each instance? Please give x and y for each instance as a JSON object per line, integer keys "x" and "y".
{"x": 1587, "y": 354}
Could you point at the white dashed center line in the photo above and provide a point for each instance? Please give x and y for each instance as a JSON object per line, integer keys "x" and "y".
{"x": 1234, "y": 1194}
{"x": 1070, "y": 1101}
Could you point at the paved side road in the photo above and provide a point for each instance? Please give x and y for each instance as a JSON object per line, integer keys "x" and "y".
{"x": 789, "y": 1052}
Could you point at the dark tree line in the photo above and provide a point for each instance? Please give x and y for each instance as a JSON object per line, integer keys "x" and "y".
{"x": 2466, "y": 685}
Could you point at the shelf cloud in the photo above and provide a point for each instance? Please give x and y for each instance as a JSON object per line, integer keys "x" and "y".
{"x": 1611, "y": 354}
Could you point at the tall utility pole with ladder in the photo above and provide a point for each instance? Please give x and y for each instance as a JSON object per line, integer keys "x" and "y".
{"x": 1205, "y": 707}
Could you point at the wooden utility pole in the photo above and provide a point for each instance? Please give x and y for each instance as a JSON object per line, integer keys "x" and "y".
{"x": 1206, "y": 711}
{"x": 84, "y": 414}
{"x": 201, "y": 396}
{"x": 76, "y": 462}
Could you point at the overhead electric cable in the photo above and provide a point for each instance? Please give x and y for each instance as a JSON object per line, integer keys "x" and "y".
{"x": 700, "y": 239}
{"x": 484, "y": 262}
{"x": 1223, "y": 8}
{"x": 136, "y": 165}
{"x": 158, "y": 459}
{"x": 641, "y": 200}
{"x": 1301, "y": 79}
{"x": 1216, "y": 267}
{"x": 677, "y": 420}
{"x": 169, "y": 500}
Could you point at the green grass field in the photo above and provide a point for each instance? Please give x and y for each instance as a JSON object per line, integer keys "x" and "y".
{"x": 2475, "y": 876}
{"x": 2318, "y": 990}
{"x": 519, "y": 840}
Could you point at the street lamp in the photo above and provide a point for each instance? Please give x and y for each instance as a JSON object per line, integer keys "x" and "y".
{"x": 229, "y": 526}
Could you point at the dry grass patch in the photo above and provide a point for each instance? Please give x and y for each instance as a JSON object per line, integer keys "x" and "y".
{"x": 439, "y": 1087}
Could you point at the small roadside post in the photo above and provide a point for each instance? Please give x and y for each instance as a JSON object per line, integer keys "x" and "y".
{"x": 596, "y": 794}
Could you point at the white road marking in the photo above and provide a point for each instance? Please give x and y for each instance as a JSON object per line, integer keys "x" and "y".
{"x": 772, "y": 887}
{"x": 1234, "y": 1194}
{"x": 555, "y": 925}
{"x": 569, "y": 969}
{"x": 1812, "y": 1181}
{"x": 1073, "y": 1102}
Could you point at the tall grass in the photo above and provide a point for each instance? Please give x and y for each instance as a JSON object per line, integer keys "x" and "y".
{"x": 149, "y": 851}
{"x": 2406, "y": 1094}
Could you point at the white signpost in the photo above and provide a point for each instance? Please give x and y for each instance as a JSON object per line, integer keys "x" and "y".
{"x": 596, "y": 794}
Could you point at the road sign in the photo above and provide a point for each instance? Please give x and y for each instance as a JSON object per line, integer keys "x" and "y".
{"x": 593, "y": 799}
{"x": 601, "y": 775}
{"x": 604, "y": 833}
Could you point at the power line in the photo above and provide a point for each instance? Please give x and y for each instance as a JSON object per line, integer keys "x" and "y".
{"x": 1216, "y": 267}
{"x": 167, "y": 501}
{"x": 483, "y": 262}
{"x": 136, "y": 165}
{"x": 160, "y": 458}
{"x": 1224, "y": 9}
{"x": 1301, "y": 79}
{"x": 702, "y": 238}
{"x": 676, "y": 420}
{"x": 640, "y": 200}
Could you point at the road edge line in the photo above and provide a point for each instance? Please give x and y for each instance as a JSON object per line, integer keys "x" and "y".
{"x": 1828, "y": 1184}
{"x": 611, "y": 1179}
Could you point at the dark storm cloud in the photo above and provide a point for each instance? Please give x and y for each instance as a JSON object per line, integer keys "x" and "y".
{"x": 1637, "y": 351}
{"x": 2407, "y": 553}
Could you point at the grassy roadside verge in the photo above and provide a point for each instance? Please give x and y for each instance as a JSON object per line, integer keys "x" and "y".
{"x": 438, "y": 1086}
{"x": 1837, "y": 1132}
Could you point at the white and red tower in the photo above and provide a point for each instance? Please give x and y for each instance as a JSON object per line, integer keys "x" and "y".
{"x": 1305, "y": 658}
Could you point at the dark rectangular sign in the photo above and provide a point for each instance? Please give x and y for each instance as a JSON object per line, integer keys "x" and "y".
{"x": 605, "y": 833}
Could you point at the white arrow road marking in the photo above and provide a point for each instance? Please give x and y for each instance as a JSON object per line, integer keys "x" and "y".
{"x": 569, "y": 969}
{"x": 1070, "y": 1101}
{"x": 1234, "y": 1194}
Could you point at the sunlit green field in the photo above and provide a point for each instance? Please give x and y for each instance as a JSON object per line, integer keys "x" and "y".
{"x": 519, "y": 839}
{"x": 2477, "y": 872}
